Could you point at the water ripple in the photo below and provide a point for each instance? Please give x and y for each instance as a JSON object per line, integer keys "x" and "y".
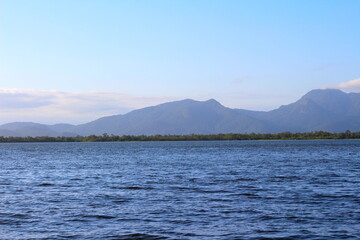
{"x": 180, "y": 190}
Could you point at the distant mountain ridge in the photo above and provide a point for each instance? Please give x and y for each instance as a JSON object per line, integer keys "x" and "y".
{"x": 181, "y": 117}
{"x": 327, "y": 110}
{"x": 25, "y": 129}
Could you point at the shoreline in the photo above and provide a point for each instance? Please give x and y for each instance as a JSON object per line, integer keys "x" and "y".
{"x": 318, "y": 135}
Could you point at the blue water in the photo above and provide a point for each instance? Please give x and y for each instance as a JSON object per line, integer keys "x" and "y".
{"x": 181, "y": 190}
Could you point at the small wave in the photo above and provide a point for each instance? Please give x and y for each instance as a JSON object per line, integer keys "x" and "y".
{"x": 137, "y": 188}
{"x": 293, "y": 237}
{"x": 182, "y": 222}
{"x": 221, "y": 200}
{"x": 45, "y": 185}
{"x": 308, "y": 236}
{"x": 120, "y": 201}
{"x": 331, "y": 175}
{"x": 15, "y": 215}
{"x": 99, "y": 216}
{"x": 133, "y": 188}
{"x": 235, "y": 180}
{"x": 193, "y": 179}
{"x": 269, "y": 217}
{"x": 5, "y": 183}
{"x": 66, "y": 237}
{"x": 211, "y": 191}
{"x": 244, "y": 180}
{"x": 246, "y": 194}
{"x": 15, "y": 218}
{"x": 66, "y": 186}
{"x": 76, "y": 179}
{"x": 78, "y": 220}
{"x": 267, "y": 231}
{"x": 128, "y": 219}
{"x": 136, "y": 236}
{"x": 114, "y": 198}
{"x": 10, "y": 222}
{"x": 282, "y": 178}
{"x": 183, "y": 188}
{"x": 320, "y": 195}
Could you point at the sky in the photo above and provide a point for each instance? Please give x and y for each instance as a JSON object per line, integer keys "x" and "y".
{"x": 74, "y": 61}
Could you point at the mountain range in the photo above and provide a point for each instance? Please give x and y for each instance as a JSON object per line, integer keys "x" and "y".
{"x": 319, "y": 110}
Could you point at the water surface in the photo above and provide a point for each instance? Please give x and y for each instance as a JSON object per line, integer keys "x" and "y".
{"x": 181, "y": 190}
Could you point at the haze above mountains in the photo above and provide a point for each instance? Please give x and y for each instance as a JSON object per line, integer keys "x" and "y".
{"x": 326, "y": 110}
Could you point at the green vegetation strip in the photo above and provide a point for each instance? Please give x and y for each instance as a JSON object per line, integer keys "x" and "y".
{"x": 192, "y": 137}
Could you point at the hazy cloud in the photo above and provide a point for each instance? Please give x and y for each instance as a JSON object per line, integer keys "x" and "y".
{"x": 20, "y": 100}
{"x": 55, "y": 106}
{"x": 353, "y": 85}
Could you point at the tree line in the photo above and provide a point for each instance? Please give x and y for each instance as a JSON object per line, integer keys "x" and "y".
{"x": 192, "y": 137}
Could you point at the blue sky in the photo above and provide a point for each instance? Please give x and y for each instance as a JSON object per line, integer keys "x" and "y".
{"x": 255, "y": 54}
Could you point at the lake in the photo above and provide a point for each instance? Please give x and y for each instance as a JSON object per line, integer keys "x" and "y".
{"x": 181, "y": 190}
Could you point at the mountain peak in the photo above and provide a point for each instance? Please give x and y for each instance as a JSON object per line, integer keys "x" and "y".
{"x": 328, "y": 92}
{"x": 333, "y": 100}
{"x": 192, "y": 102}
{"x": 211, "y": 100}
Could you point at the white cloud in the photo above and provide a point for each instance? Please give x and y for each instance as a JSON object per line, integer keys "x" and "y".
{"x": 353, "y": 85}
{"x": 54, "y": 106}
